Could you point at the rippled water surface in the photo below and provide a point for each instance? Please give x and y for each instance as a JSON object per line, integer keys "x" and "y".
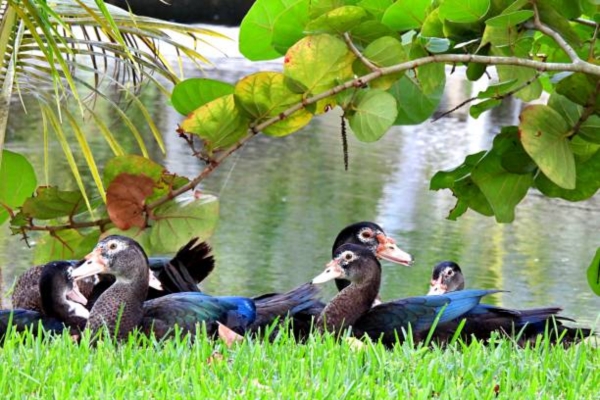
{"x": 283, "y": 200}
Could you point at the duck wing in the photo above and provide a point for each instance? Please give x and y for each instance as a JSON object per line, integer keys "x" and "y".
{"x": 190, "y": 266}
{"x": 392, "y": 319}
{"x": 300, "y": 303}
{"x": 26, "y": 319}
{"x": 189, "y": 310}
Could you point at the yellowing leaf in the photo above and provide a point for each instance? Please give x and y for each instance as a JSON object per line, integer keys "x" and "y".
{"x": 219, "y": 123}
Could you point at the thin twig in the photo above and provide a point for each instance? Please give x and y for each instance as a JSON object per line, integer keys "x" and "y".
{"x": 495, "y": 97}
{"x": 358, "y": 54}
{"x": 585, "y": 22}
{"x": 554, "y": 35}
{"x": 591, "y": 54}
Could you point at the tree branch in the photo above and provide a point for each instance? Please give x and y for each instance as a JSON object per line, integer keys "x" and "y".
{"x": 589, "y": 109}
{"x": 554, "y": 35}
{"x": 358, "y": 54}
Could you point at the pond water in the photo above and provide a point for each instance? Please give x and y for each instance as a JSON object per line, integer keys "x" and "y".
{"x": 283, "y": 200}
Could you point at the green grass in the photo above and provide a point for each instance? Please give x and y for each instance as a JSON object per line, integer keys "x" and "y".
{"x": 320, "y": 369}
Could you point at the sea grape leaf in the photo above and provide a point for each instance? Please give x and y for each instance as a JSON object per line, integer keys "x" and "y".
{"x": 289, "y": 25}
{"x": 464, "y": 11}
{"x": 319, "y": 63}
{"x": 264, "y": 95}
{"x": 479, "y": 108}
{"x": 382, "y": 52}
{"x": 50, "y": 202}
{"x": 125, "y": 199}
{"x": 375, "y": 7}
{"x": 544, "y": 134}
{"x": 368, "y": 31}
{"x": 502, "y": 189}
{"x": 593, "y": 273}
{"x": 414, "y": 106}
{"x": 17, "y": 182}
{"x": 256, "y": 29}
{"x": 339, "y": 20}
{"x": 68, "y": 244}
{"x": 374, "y": 111}
{"x": 467, "y": 193}
{"x": 590, "y": 129}
{"x": 195, "y": 92}
{"x": 180, "y": 219}
{"x": 587, "y": 182}
{"x": 506, "y": 20}
{"x": 497, "y": 89}
{"x": 219, "y": 123}
{"x": 404, "y": 15}
{"x": 580, "y": 88}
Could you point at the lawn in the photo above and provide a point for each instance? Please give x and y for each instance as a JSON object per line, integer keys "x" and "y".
{"x": 320, "y": 369}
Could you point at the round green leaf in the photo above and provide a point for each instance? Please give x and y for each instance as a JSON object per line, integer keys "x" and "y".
{"x": 219, "y": 123}
{"x": 593, "y": 273}
{"x": 375, "y": 7}
{"x": 68, "y": 244}
{"x": 17, "y": 182}
{"x": 414, "y": 106}
{"x": 404, "y": 15}
{"x": 50, "y": 203}
{"x": 319, "y": 63}
{"x": 265, "y": 95}
{"x": 477, "y": 109}
{"x": 544, "y": 137}
{"x": 368, "y": 31}
{"x": 256, "y": 29}
{"x": 464, "y": 11}
{"x": 502, "y": 189}
{"x": 179, "y": 220}
{"x": 383, "y": 52}
{"x": 289, "y": 25}
{"x": 509, "y": 19}
{"x": 374, "y": 112}
{"x": 590, "y": 129}
{"x": 195, "y": 92}
{"x": 339, "y": 20}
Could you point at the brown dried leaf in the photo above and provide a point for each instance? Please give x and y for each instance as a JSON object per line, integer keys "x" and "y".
{"x": 125, "y": 199}
{"x": 228, "y": 336}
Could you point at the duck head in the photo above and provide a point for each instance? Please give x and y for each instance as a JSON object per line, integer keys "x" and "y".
{"x": 352, "y": 262}
{"x": 373, "y": 237}
{"x": 114, "y": 255}
{"x": 446, "y": 277}
{"x": 60, "y": 294}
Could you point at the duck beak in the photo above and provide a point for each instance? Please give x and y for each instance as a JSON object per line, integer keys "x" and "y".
{"x": 94, "y": 264}
{"x": 75, "y": 295}
{"x": 332, "y": 271}
{"x": 437, "y": 287}
{"x": 153, "y": 282}
{"x": 388, "y": 250}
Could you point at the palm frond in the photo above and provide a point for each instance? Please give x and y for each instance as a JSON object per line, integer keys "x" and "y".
{"x": 73, "y": 53}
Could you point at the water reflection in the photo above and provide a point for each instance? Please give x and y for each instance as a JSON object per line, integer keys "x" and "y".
{"x": 284, "y": 200}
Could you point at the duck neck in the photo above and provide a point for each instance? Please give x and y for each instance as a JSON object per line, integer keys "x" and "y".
{"x": 351, "y": 303}
{"x": 120, "y": 307}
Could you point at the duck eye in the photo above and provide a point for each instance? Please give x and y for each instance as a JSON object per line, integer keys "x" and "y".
{"x": 112, "y": 246}
{"x": 348, "y": 256}
{"x": 366, "y": 234}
